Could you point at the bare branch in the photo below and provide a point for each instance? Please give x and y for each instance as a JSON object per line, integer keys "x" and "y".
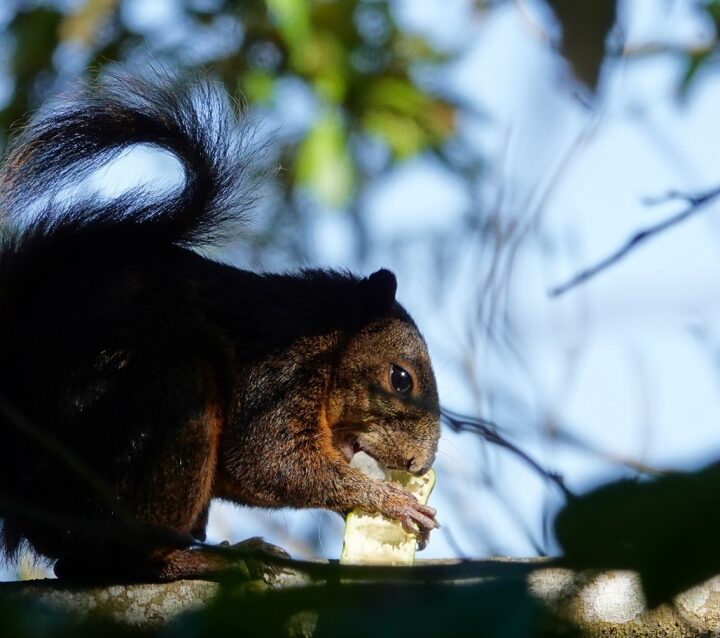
{"x": 565, "y": 437}
{"x": 490, "y": 432}
{"x": 695, "y": 204}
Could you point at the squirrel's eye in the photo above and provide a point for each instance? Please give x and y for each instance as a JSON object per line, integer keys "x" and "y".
{"x": 400, "y": 379}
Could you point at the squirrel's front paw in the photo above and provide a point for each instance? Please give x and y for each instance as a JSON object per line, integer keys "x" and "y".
{"x": 415, "y": 517}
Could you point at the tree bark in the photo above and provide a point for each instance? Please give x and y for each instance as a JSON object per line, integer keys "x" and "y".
{"x": 596, "y": 603}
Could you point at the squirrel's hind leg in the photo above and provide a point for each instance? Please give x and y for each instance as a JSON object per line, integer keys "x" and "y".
{"x": 253, "y": 558}
{"x": 166, "y": 484}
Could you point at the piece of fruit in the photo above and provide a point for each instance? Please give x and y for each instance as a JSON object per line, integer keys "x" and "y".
{"x": 373, "y": 539}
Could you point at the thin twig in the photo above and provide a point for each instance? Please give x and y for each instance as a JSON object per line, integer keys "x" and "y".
{"x": 695, "y": 203}
{"x": 559, "y": 435}
{"x": 489, "y": 431}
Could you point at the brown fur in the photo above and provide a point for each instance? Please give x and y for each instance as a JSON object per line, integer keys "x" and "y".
{"x": 130, "y": 362}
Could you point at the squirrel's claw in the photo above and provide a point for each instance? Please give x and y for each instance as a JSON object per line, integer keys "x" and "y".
{"x": 257, "y": 545}
{"x": 251, "y": 557}
{"x": 414, "y": 517}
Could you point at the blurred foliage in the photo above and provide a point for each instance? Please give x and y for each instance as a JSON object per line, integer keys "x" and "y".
{"x": 704, "y": 58}
{"x": 666, "y": 529}
{"x": 591, "y": 34}
{"x": 364, "y": 94}
{"x": 585, "y": 27}
{"x": 360, "y": 74}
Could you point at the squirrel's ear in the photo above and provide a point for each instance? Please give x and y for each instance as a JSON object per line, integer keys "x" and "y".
{"x": 378, "y": 292}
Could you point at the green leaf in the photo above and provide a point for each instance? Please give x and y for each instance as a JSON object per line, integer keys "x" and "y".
{"x": 712, "y": 9}
{"x": 398, "y": 94}
{"x": 293, "y": 19}
{"x": 694, "y": 63}
{"x": 258, "y": 86}
{"x": 403, "y": 135}
{"x": 324, "y": 163}
{"x": 585, "y": 27}
{"x": 322, "y": 59}
{"x": 404, "y": 117}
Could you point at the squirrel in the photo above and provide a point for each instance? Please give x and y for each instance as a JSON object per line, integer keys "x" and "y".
{"x": 140, "y": 377}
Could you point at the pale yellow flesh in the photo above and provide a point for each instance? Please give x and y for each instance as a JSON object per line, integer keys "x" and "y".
{"x": 372, "y": 539}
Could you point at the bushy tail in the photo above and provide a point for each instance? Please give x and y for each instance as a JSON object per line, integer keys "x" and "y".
{"x": 72, "y": 139}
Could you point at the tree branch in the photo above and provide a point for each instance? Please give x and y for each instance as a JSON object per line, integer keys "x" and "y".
{"x": 490, "y": 432}
{"x": 491, "y": 593}
{"x": 695, "y": 204}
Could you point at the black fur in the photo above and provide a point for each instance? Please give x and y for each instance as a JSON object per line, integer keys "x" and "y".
{"x": 112, "y": 331}
{"x": 75, "y": 136}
